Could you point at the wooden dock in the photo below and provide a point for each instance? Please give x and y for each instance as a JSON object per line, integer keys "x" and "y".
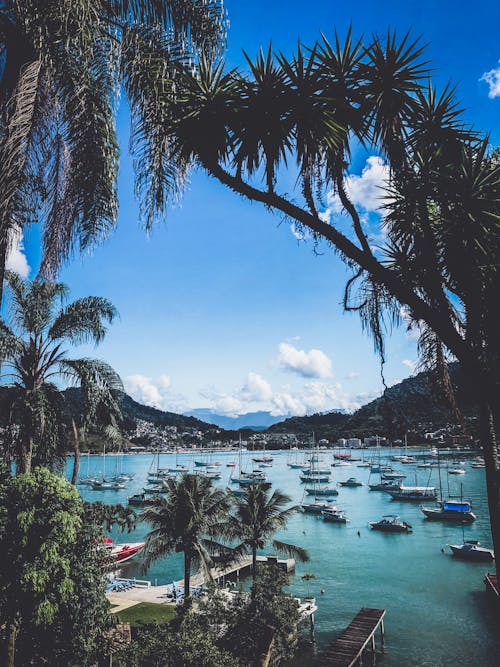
{"x": 348, "y": 649}
{"x": 491, "y": 583}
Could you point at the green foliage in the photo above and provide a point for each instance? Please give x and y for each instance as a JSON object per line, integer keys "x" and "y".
{"x": 147, "y": 613}
{"x": 65, "y": 62}
{"x": 246, "y": 622}
{"x": 52, "y": 589}
{"x": 257, "y": 515}
{"x": 189, "y": 645}
{"x": 32, "y": 356}
{"x": 188, "y": 519}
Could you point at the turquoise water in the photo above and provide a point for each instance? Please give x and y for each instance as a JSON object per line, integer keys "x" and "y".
{"x": 437, "y": 611}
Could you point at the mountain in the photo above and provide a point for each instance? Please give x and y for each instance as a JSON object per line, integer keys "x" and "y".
{"x": 256, "y": 421}
{"x": 132, "y": 411}
{"x": 409, "y": 406}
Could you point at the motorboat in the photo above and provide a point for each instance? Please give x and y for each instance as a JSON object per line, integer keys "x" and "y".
{"x": 120, "y": 553}
{"x": 263, "y": 459}
{"x": 351, "y": 482}
{"x": 456, "y": 471}
{"x": 391, "y": 523}
{"x": 451, "y": 510}
{"x": 412, "y": 493}
{"x": 139, "y": 500}
{"x": 470, "y": 550}
{"x": 334, "y": 515}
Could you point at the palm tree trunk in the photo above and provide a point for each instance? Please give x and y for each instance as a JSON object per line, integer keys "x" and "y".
{"x": 254, "y": 562}
{"x": 492, "y": 470}
{"x": 3, "y": 260}
{"x": 25, "y": 459}
{"x": 187, "y": 574}
{"x": 11, "y": 644}
{"x": 76, "y": 448}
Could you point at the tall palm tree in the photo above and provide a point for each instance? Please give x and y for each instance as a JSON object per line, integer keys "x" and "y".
{"x": 62, "y": 63}
{"x": 187, "y": 520}
{"x": 256, "y": 516}
{"x": 33, "y": 357}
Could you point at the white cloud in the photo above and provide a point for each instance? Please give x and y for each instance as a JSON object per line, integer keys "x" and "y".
{"x": 312, "y": 364}
{"x": 366, "y": 191}
{"x": 155, "y": 392}
{"x": 301, "y": 234}
{"x": 256, "y": 388}
{"x": 257, "y": 394}
{"x": 352, "y": 375}
{"x": 16, "y": 259}
{"x": 492, "y": 78}
{"x": 411, "y": 364}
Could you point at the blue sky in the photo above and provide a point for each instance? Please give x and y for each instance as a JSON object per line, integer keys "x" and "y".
{"x": 222, "y": 306}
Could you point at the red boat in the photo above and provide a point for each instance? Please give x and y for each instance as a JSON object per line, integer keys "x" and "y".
{"x": 122, "y": 552}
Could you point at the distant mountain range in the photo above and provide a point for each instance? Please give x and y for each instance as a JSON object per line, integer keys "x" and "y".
{"x": 257, "y": 421}
{"x": 410, "y": 405}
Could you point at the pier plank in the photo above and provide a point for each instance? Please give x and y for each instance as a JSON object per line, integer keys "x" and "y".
{"x": 349, "y": 646}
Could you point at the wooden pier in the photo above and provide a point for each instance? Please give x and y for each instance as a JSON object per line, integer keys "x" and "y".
{"x": 348, "y": 649}
{"x": 491, "y": 583}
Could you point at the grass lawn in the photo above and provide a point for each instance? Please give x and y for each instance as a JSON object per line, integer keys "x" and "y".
{"x": 146, "y": 612}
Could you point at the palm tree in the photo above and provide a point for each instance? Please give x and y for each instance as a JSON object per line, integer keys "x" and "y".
{"x": 33, "y": 357}
{"x": 257, "y": 515}
{"x": 63, "y": 62}
{"x": 308, "y": 577}
{"x": 187, "y": 520}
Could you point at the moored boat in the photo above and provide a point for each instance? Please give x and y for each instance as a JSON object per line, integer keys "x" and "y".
{"x": 414, "y": 493}
{"x": 450, "y": 510}
{"x": 322, "y": 491}
{"x": 470, "y": 550}
{"x": 390, "y": 523}
{"x": 334, "y": 515}
{"x": 351, "y": 482}
{"x": 317, "y": 507}
{"x": 121, "y": 553}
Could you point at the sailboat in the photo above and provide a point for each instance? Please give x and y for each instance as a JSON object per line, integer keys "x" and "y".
{"x": 449, "y": 510}
{"x": 104, "y": 484}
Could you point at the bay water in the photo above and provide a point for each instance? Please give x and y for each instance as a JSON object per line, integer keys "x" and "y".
{"x": 438, "y": 614}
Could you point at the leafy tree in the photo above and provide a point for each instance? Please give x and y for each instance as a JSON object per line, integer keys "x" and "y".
{"x": 52, "y": 600}
{"x": 187, "y": 520}
{"x": 431, "y": 254}
{"x": 33, "y": 356}
{"x": 250, "y": 622}
{"x": 257, "y": 515}
{"x": 62, "y": 65}
{"x": 189, "y": 645}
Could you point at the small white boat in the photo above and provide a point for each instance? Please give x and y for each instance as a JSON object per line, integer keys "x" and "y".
{"x": 470, "y": 550}
{"x": 456, "y": 471}
{"x": 391, "y": 523}
{"x": 104, "y": 485}
{"x": 334, "y": 515}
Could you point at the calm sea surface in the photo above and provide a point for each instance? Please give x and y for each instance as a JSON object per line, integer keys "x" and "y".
{"x": 437, "y": 612}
